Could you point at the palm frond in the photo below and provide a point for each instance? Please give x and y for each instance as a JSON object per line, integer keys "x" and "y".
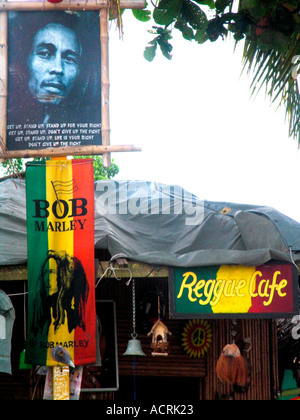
{"x": 273, "y": 69}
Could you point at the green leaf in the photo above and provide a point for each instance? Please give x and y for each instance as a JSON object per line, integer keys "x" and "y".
{"x": 187, "y": 32}
{"x": 222, "y": 4}
{"x": 209, "y": 3}
{"x": 193, "y": 15}
{"x": 201, "y": 36}
{"x": 249, "y": 4}
{"x": 167, "y": 11}
{"x": 166, "y": 49}
{"x": 150, "y": 52}
{"x": 142, "y": 15}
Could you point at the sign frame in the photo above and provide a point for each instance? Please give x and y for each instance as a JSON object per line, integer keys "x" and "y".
{"x": 106, "y": 311}
{"x": 245, "y": 315}
{"x": 43, "y": 6}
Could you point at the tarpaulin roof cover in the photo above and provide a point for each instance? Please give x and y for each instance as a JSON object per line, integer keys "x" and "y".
{"x": 164, "y": 225}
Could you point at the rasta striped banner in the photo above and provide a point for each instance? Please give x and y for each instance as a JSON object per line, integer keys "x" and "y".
{"x": 226, "y": 291}
{"x": 61, "y": 280}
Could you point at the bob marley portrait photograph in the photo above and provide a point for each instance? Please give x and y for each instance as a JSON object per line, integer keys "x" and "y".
{"x": 54, "y": 65}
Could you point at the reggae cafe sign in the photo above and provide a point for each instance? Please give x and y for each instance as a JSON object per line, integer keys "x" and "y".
{"x": 266, "y": 291}
{"x": 54, "y": 73}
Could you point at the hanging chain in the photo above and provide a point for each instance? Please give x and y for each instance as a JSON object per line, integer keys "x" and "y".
{"x": 134, "y": 334}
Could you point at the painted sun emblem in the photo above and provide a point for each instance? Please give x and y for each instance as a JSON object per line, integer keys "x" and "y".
{"x": 196, "y": 337}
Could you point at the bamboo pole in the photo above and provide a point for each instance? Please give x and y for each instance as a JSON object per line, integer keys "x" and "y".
{"x": 68, "y": 151}
{"x": 254, "y": 339}
{"x": 3, "y": 80}
{"x": 267, "y": 360}
{"x": 290, "y": 392}
{"x": 263, "y": 364}
{"x": 274, "y": 355}
{"x": 257, "y": 335}
{"x": 105, "y": 85}
{"x": 247, "y": 334}
{"x": 45, "y": 6}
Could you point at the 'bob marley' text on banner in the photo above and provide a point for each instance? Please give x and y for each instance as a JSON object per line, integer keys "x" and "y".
{"x": 61, "y": 282}
{"x": 266, "y": 291}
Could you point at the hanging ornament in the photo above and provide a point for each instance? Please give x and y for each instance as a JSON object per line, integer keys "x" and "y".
{"x": 22, "y": 364}
{"x": 115, "y": 12}
{"x": 160, "y": 334}
{"x": 61, "y": 355}
{"x": 196, "y": 338}
{"x": 55, "y": 1}
{"x": 134, "y": 346}
{"x": 232, "y": 367}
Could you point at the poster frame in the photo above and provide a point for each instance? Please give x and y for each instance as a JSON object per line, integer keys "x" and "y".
{"x": 110, "y": 317}
{"x": 43, "y": 6}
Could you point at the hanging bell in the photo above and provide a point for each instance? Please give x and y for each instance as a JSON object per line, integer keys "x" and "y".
{"x": 134, "y": 347}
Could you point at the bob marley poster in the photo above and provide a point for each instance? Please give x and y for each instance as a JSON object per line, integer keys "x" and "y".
{"x": 61, "y": 282}
{"x": 54, "y": 80}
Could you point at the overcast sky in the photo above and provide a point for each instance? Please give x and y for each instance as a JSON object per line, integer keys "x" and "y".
{"x": 197, "y": 125}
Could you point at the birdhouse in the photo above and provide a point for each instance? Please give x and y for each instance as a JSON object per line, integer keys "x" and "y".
{"x": 159, "y": 343}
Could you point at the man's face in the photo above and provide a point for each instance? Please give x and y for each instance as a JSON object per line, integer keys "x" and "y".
{"x": 53, "y": 63}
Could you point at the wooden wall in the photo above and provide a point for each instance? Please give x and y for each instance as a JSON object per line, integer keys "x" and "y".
{"x": 262, "y": 355}
{"x": 195, "y": 377}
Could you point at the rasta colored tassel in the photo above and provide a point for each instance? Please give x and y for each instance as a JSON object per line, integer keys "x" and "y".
{"x": 116, "y": 13}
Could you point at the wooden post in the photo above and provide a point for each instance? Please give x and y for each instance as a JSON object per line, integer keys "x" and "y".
{"x": 105, "y": 85}
{"x": 3, "y": 79}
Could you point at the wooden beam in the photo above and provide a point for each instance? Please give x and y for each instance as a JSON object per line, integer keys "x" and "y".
{"x": 139, "y": 270}
{"x": 13, "y": 272}
{"x": 69, "y": 151}
{"x": 45, "y": 6}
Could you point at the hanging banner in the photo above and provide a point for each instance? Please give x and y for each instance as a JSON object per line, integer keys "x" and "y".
{"x": 227, "y": 291}
{"x": 54, "y": 80}
{"x": 61, "y": 281}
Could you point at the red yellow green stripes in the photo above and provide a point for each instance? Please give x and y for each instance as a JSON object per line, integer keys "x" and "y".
{"x": 60, "y": 230}
{"x": 214, "y": 291}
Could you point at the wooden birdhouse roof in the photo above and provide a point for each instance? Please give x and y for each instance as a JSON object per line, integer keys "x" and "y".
{"x": 157, "y": 324}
